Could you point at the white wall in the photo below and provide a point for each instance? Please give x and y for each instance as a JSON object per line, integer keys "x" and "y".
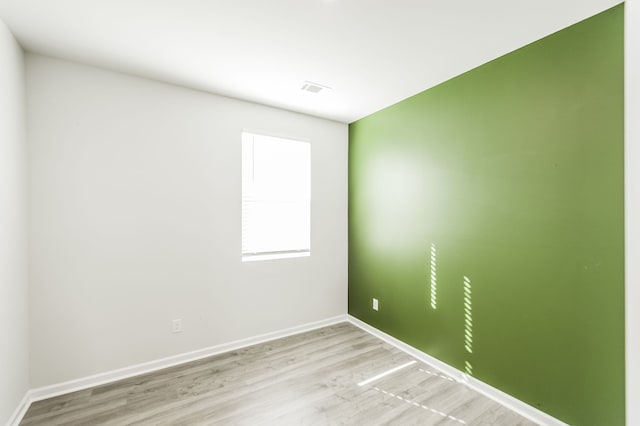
{"x": 14, "y": 369}
{"x": 632, "y": 203}
{"x": 135, "y": 220}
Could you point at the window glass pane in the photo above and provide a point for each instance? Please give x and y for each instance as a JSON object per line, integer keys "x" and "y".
{"x": 275, "y": 195}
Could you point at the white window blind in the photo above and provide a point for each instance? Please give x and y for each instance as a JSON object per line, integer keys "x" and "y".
{"x": 276, "y": 197}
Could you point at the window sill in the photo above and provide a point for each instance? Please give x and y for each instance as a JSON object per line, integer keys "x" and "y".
{"x": 273, "y": 256}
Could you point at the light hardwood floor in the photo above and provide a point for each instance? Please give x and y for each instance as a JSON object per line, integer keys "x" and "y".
{"x": 307, "y": 379}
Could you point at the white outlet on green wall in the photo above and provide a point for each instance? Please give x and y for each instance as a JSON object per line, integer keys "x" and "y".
{"x": 375, "y": 304}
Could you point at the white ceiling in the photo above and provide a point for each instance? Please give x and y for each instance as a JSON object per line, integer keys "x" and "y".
{"x": 372, "y": 53}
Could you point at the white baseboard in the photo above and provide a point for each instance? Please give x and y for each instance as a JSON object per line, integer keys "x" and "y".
{"x": 524, "y": 409}
{"x": 20, "y": 410}
{"x": 147, "y": 367}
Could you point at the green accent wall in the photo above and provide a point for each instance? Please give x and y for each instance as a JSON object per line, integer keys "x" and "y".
{"x": 509, "y": 178}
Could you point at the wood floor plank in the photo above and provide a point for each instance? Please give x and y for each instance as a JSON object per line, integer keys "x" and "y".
{"x": 307, "y": 379}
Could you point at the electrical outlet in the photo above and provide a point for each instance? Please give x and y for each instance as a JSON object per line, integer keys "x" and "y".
{"x": 176, "y": 326}
{"x": 375, "y": 304}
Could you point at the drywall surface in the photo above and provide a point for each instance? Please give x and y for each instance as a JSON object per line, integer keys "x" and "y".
{"x": 135, "y": 194}
{"x": 14, "y": 357}
{"x": 487, "y": 217}
{"x": 632, "y": 208}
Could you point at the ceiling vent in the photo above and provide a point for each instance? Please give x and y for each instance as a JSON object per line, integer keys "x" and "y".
{"x": 309, "y": 86}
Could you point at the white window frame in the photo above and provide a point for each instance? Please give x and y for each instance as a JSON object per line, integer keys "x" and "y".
{"x": 300, "y": 198}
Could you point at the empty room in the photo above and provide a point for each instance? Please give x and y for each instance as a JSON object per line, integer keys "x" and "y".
{"x": 319, "y": 212}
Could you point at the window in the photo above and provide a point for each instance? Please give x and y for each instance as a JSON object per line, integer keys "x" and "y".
{"x": 276, "y": 197}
